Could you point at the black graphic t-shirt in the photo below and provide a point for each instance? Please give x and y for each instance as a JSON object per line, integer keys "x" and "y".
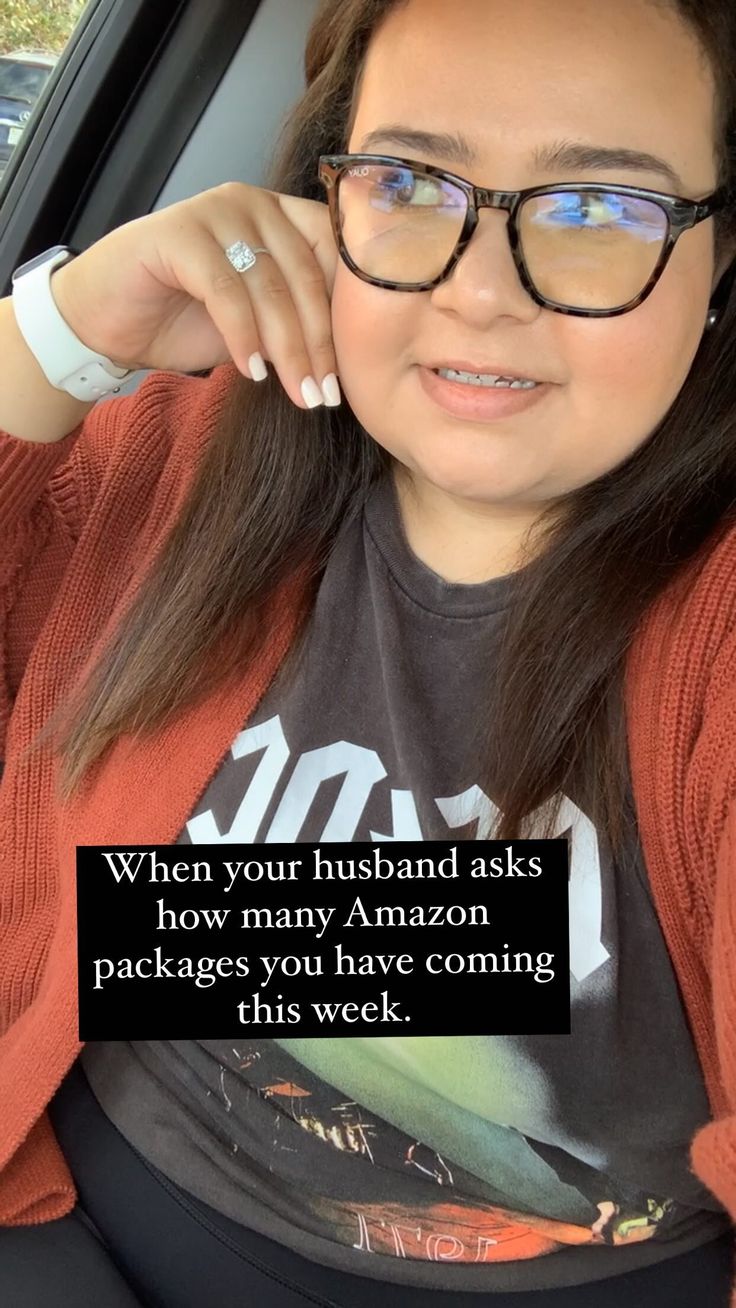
{"x": 467, "y": 1162}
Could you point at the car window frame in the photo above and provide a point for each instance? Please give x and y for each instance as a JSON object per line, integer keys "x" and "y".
{"x": 126, "y": 59}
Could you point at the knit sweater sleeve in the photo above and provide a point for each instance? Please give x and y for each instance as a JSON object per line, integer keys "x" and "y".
{"x": 48, "y": 492}
{"x": 714, "y": 1147}
{"x": 711, "y": 822}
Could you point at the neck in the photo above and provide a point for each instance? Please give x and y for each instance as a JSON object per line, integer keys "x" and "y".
{"x": 464, "y": 540}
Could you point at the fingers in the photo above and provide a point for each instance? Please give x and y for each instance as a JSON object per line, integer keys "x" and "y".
{"x": 199, "y": 266}
{"x": 287, "y": 292}
{"x": 289, "y": 302}
{"x": 313, "y": 222}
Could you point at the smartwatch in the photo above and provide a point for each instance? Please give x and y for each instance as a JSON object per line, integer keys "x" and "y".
{"x": 67, "y": 363}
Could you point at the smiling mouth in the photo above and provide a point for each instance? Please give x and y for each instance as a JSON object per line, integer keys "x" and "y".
{"x": 490, "y": 380}
{"x": 480, "y": 396}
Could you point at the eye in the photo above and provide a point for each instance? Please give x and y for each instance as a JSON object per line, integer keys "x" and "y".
{"x": 599, "y": 210}
{"x": 404, "y": 188}
{"x": 587, "y": 209}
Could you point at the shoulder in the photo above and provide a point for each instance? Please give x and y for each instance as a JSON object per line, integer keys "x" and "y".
{"x": 703, "y": 676}
{"x": 706, "y": 619}
{"x": 682, "y": 669}
{"x": 692, "y": 623}
{"x": 681, "y": 718}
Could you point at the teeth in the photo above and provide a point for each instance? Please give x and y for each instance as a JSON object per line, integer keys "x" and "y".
{"x": 486, "y": 379}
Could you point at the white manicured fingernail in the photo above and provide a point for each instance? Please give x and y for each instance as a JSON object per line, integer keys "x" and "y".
{"x": 331, "y": 389}
{"x": 311, "y": 393}
{"x": 257, "y": 367}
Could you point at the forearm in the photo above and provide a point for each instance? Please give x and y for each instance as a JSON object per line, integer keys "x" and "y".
{"x": 30, "y": 408}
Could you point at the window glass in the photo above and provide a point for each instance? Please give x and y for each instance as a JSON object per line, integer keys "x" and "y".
{"x": 33, "y": 37}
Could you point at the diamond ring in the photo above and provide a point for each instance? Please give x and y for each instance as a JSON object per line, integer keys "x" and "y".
{"x": 241, "y": 256}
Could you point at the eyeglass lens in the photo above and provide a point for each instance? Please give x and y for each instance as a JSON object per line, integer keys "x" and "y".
{"x": 587, "y": 249}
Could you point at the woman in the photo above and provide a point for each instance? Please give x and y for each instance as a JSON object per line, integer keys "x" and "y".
{"x": 524, "y": 502}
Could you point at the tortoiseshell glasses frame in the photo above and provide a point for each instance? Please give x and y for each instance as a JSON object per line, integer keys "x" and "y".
{"x": 680, "y": 216}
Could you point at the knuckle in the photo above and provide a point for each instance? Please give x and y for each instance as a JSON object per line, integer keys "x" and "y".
{"x": 293, "y": 353}
{"x": 322, "y": 344}
{"x": 224, "y": 282}
{"x": 230, "y": 190}
{"x": 274, "y": 289}
{"x": 313, "y": 279}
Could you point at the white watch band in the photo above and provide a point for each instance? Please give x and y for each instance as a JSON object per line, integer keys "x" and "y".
{"x": 67, "y": 363}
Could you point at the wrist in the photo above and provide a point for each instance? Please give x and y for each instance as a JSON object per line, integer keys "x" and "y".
{"x": 30, "y": 408}
{"x": 67, "y": 361}
{"x": 61, "y": 283}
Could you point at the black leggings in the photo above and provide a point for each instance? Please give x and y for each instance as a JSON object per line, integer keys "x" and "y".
{"x": 161, "y": 1248}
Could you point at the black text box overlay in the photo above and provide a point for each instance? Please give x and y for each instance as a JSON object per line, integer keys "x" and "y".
{"x": 421, "y": 938}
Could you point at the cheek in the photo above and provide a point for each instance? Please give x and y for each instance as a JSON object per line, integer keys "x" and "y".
{"x": 628, "y": 371}
{"x": 347, "y": 307}
{"x": 373, "y": 331}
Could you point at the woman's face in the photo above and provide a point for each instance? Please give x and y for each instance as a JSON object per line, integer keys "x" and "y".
{"x": 514, "y": 80}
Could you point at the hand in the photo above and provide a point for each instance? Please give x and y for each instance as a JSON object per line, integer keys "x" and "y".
{"x": 160, "y": 293}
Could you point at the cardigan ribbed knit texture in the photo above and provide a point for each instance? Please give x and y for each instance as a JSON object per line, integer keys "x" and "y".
{"x": 80, "y": 521}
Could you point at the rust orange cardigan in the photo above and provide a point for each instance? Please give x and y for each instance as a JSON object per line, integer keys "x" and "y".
{"x": 79, "y": 522}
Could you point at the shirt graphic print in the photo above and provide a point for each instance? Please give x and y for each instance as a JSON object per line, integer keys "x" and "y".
{"x": 511, "y": 1162}
{"x": 324, "y": 769}
{"x": 490, "y": 1094}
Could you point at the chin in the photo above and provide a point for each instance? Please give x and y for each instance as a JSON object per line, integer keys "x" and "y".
{"x": 469, "y": 482}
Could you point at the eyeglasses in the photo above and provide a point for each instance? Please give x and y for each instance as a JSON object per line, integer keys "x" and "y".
{"x": 589, "y": 251}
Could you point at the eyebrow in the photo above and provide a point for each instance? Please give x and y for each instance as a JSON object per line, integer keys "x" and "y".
{"x": 559, "y": 156}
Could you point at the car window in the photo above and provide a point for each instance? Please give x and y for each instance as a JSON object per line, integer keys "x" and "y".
{"x": 21, "y": 81}
{"x": 33, "y": 38}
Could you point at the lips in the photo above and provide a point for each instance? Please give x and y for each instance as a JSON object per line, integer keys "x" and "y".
{"x": 479, "y": 403}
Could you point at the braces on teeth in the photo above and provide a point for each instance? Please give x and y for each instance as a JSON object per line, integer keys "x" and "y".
{"x": 487, "y": 380}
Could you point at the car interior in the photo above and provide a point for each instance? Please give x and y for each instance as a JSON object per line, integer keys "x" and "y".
{"x": 148, "y": 104}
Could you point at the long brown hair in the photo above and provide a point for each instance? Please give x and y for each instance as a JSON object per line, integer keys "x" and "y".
{"x": 276, "y": 482}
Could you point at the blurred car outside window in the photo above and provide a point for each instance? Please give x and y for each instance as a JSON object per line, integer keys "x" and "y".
{"x": 33, "y": 36}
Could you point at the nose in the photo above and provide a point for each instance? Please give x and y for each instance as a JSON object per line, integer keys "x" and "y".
{"x": 485, "y": 284}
